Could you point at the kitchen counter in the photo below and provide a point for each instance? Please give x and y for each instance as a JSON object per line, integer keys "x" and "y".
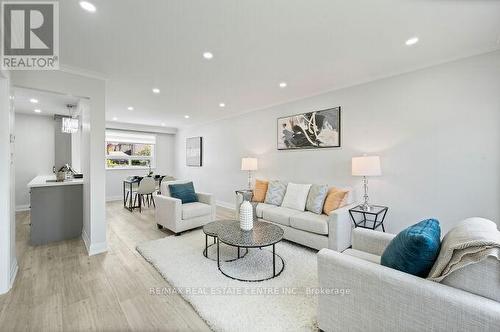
{"x": 56, "y": 209}
{"x": 50, "y": 181}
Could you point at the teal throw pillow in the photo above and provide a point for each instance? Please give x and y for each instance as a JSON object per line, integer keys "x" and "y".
{"x": 415, "y": 249}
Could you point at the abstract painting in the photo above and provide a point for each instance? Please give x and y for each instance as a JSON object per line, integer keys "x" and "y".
{"x": 194, "y": 151}
{"x": 312, "y": 130}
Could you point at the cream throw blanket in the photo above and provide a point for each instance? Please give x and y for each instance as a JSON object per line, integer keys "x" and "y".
{"x": 471, "y": 241}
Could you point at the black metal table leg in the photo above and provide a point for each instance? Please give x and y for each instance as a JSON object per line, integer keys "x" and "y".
{"x": 238, "y": 252}
{"x": 206, "y": 245}
{"x": 274, "y": 261}
{"x": 383, "y": 218}
{"x": 124, "y": 199}
{"x": 130, "y": 206}
{"x": 353, "y": 220}
{"x": 218, "y": 260}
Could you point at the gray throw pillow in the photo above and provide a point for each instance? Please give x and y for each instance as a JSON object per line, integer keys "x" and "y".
{"x": 316, "y": 198}
{"x": 275, "y": 192}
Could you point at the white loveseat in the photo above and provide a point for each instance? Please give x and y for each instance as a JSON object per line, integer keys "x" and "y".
{"x": 309, "y": 229}
{"x": 384, "y": 299}
{"x": 177, "y": 217}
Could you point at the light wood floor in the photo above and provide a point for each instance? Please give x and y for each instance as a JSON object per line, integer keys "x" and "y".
{"x": 59, "y": 287}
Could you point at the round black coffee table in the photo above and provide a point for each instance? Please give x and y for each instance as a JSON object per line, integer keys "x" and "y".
{"x": 211, "y": 230}
{"x": 262, "y": 235}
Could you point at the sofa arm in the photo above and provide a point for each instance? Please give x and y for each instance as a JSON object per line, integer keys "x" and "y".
{"x": 370, "y": 241}
{"x": 340, "y": 228}
{"x": 206, "y": 198}
{"x": 383, "y": 299}
{"x": 210, "y": 200}
{"x": 168, "y": 211}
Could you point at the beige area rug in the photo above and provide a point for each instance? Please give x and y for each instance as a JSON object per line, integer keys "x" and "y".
{"x": 284, "y": 303}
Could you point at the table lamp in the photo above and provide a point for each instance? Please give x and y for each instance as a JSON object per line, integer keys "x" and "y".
{"x": 249, "y": 164}
{"x": 366, "y": 166}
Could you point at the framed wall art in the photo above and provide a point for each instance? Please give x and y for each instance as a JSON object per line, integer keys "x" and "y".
{"x": 311, "y": 130}
{"x": 194, "y": 151}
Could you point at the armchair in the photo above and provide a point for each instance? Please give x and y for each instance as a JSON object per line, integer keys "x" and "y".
{"x": 177, "y": 217}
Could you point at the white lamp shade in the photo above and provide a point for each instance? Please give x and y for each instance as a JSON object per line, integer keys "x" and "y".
{"x": 366, "y": 166}
{"x": 248, "y": 164}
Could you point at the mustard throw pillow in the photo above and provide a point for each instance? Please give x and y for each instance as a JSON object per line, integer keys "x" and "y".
{"x": 259, "y": 193}
{"x": 334, "y": 200}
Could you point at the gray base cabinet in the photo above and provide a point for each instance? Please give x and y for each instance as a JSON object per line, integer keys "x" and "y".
{"x": 56, "y": 213}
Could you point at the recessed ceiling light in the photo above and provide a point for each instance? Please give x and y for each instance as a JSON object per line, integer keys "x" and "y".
{"x": 88, "y": 6}
{"x": 156, "y": 90}
{"x": 115, "y": 118}
{"x": 208, "y": 55}
{"x": 186, "y": 116}
{"x": 411, "y": 41}
{"x": 37, "y": 110}
{"x": 222, "y": 105}
{"x": 163, "y": 124}
{"x": 130, "y": 108}
{"x": 283, "y": 85}
{"x": 34, "y": 101}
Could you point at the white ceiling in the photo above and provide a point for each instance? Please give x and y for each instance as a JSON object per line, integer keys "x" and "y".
{"x": 48, "y": 103}
{"x": 313, "y": 45}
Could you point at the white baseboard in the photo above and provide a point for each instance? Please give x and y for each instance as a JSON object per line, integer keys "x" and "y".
{"x": 114, "y": 198}
{"x": 21, "y": 208}
{"x": 225, "y": 205}
{"x": 93, "y": 248}
{"x": 13, "y": 272}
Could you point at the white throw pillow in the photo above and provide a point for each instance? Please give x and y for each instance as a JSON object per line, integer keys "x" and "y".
{"x": 296, "y": 196}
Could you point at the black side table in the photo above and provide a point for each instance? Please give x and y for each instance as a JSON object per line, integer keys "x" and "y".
{"x": 247, "y": 194}
{"x": 370, "y": 219}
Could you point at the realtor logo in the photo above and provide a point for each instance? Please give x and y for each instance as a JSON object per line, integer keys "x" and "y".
{"x": 30, "y": 35}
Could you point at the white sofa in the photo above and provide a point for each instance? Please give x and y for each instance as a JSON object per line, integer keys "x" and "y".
{"x": 309, "y": 229}
{"x": 177, "y": 217}
{"x": 384, "y": 299}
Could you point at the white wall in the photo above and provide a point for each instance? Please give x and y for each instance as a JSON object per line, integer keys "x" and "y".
{"x": 165, "y": 144}
{"x": 8, "y": 262}
{"x": 34, "y": 153}
{"x": 92, "y": 158}
{"x": 436, "y": 130}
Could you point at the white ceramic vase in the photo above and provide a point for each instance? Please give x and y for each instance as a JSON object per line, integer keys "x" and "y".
{"x": 246, "y": 216}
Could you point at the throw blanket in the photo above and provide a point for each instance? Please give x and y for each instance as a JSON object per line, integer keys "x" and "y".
{"x": 471, "y": 241}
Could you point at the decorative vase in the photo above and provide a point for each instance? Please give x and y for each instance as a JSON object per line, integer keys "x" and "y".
{"x": 60, "y": 176}
{"x": 246, "y": 216}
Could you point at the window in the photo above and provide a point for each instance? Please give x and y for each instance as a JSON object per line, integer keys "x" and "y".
{"x": 129, "y": 149}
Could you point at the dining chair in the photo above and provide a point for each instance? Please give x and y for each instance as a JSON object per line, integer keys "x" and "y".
{"x": 144, "y": 193}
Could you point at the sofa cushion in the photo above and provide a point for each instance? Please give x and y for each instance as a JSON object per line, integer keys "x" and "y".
{"x": 296, "y": 196}
{"x": 195, "y": 209}
{"x": 259, "y": 209}
{"x": 316, "y": 198}
{"x": 183, "y": 191}
{"x": 260, "y": 190}
{"x": 482, "y": 278}
{"x": 415, "y": 249}
{"x": 275, "y": 193}
{"x": 334, "y": 200}
{"x": 165, "y": 191}
{"x": 279, "y": 215}
{"x": 310, "y": 222}
{"x": 363, "y": 255}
